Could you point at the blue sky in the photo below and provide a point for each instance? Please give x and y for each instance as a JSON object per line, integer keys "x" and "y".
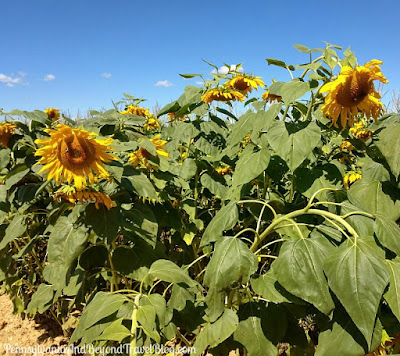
{"x": 80, "y": 55}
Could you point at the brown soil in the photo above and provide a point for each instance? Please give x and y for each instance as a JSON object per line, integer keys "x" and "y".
{"x": 15, "y": 332}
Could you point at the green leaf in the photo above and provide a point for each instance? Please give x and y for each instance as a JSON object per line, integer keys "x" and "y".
{"x": 290, "y": 91}
{"x": 388, "y": 138}
{"x": 296, "y": 147}
{"x": 158, "y": 302}
{"x": 278, "y": 63}
{"x": 189, "y": 76}
{"x": 105, "y": 223}
{"x": 387, "y": 231}
{"x": 370, "y": 197}
{"x": 250, "y": 165}
{"x": 305, "y": 49}
{"x": 115, "y": 332}
{"x": 392, "y": 296}
{"x": 93, "y": 257}
{"x": 214, "y": 186}
{"x": 141, "y": 185}
{"x": 5, "y": 156}
{"x": 232, "y": 263}
{"x": 299, "y": 269}
{"x": 16, "y": 229}
{"x": 36, "y": 115}
{"x": 268, "y": 287}
{"x": 225, "y": 219}
{"x": 214, "y": 333}
{"x": 146, "y": 316}
{"x": 41, "y": 299}
{"x": 358, "y": 274}
{"x": 103, "y": 305}
{"x": 169, "y": 272}
{"x": 15, "y": 175}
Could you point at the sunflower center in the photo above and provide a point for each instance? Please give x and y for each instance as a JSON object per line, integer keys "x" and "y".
{"x": 354, "y": 90}
{"x": 75, "y": 151}
{"x": 240, "y": 84}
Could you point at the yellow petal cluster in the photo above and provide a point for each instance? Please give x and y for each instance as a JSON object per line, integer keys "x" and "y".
{"x": 172, "y": 117}
{"x": 86, "y": 196}
{"x": 141, "y": 155}
{"x": 151, "y": 124}
{"x": 73, "y": 155}
{"x": 353, "y": 92}
{"x": 271, "y": 97}
{"x": 358, "y": 130}
{"x": 222, "y": 94}
{"x": 6, "y": 131}
{"x": 350, "y": 178}
{"x": 245, "y": 83}
{"x": 53, "y": 114}
{"x": 346, "y": 146}
{"x": 222, "y": 171}
{"x": 136, "y": 110}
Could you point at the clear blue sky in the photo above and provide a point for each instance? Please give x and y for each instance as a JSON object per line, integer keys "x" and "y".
{"x": 82, "y": 54}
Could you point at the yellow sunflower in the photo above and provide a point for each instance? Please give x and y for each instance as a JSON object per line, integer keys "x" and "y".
{"x": 358, "y": 130}
{"x": 53, "y": 114}
{"x": 72, "y": 154}
{"x": 271, "y": 97}
{"x": 353, "y": 92}
{"x": 151, "y": 124}
{"x": 173, "y": 118}
{"x": 346, "y": 146}
{"x": 136, "y": 110}
{"x": 6, "y": 131}
{"x": 245, "y": 83}
{"x": 222, "y": 171}
{"x": 222, "y": 94}
{"x": 141, "y": 155}
{"x": 86, "y": 196}
{"x": 350, "y": 178}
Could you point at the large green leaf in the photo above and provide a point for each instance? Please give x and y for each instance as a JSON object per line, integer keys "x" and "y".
{"x": 41, "y": 299}
{"x": 392, "y": 296}
{"x": 168, "y": 271}
{"x": 115, "y": 331}
{"x": 146, "y": 316}
{"x": 214, "y": 186}
{"x": 370, "y": 197}
{"x": 231, "y": 263}
{"x": 388, "y": 233}
{"x": 295, "y": 147}
{"x": 140, "y": 184}
{"x": 15, "y": 175}
{"x": 250, "y": 165}
{"x": 388, "y": 141}
{"x": 5, "y": 156}
{"x": 105, "y": 223}
{"x": 214, "y": 333}
{"x": 358, "y": 274}
{"x": 268, "y": 287}
{"x": 16, "y": 229}
{"x": 299, "y": 269}
{"x": 225, "y": 219}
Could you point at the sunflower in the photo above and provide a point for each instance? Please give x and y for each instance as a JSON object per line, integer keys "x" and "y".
{"x": 151, "y": 124}
{"x": 86, "y": 196}
{"x": 245, "y": 83}
{"x": 350, "y": 178}
{"x": 6, "y": 131}
{"x": 141, "y": 155}
{"x": 270, "y": 97}
{"x": 222, "y": 94}
{"x": 173, "y": 118}
{"x": 72, "y": 154}
{"x": 223, "y": 171}
{"x": 353, "y": 92}
{"x": 136, "y": 110}
{"x": 358, "y": 130}
{"x": 346, "y": 146}
{"x": 53, "y": 114}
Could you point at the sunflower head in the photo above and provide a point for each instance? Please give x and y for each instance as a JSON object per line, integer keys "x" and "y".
{"x": 151, "y": 124}
{"x": 86, "y": 196}
{"x": 172, "y": 117}
{"x": 136, "y": 110}
{"x": 346, "y": 146}
{"x": 222, "y": 171}
{"x": 271, "y": 97}
{"x": 222, "y": 94}
{"x": 359, "y": 130}
{"x": 141, "y": 155}
{"x": 245, "y": 83}
{"x": 350, "y": 178}
{"x": 6, "y": 131}
{"x": 73, "y": 155}
{"x": 53, "y": 114}
{"x": 353, "y": 92}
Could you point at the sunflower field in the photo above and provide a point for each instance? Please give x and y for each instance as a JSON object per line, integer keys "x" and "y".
{"x": 272, "y": 232}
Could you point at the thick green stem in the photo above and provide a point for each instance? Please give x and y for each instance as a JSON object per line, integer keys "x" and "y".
{"x": 132, "y": 351}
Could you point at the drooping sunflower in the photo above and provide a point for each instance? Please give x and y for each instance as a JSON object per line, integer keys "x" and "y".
{"x": 136, "y": 110}
{"x": 350, "y": 178}
{"x": 151, "y": 124}
{"x": 141, "y": 155}
{"x": 6, "y": 131}
{"x": 359, "y": 130}
{"x": 245, "y": 83}
{"x": 74, "y": 154}
{"x": 271, "y": 97}
{"x": 53, "y": 114}
{"x": 222, "y": 94}
{"x": 353, "y": 92}
{"x": 86, "y": 196}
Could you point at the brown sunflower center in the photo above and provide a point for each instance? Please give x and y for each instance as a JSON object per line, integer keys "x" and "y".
{"x": 77, "y": 152}
{"x": 354, "y": 90}
{"x": 240, "y": 84}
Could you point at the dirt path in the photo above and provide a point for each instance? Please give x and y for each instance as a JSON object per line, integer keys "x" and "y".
{"x": 15, "y": 332}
